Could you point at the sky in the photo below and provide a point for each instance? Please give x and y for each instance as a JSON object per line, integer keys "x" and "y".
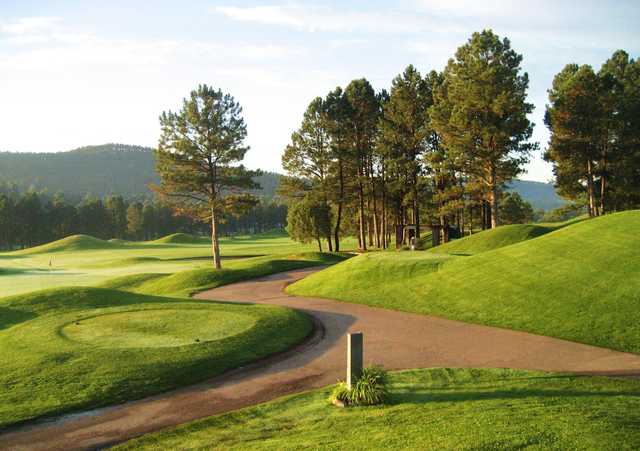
{"x": 76, "y": 73}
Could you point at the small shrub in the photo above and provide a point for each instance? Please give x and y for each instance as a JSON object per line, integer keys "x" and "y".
{"x": 369, "y": 390}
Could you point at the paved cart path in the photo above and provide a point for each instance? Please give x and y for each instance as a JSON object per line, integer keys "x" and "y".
{"x": 396, "y": 340}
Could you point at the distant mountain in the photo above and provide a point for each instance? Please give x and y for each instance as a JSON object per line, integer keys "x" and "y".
{"x": 128, "y": 170}
{"x": 95, "y": 170}
{"x": 542, "y": 196}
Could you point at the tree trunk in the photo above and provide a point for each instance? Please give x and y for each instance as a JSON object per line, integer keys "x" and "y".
{"x": 416, "y": 208}
{"x": 603, "y": 185}
{"x": 361, "y": 219}
{"x": 494, "y": 198}
{"x": 215, "y": 246}
{"x": 319, "y": 244}
{"x": 590, "y": 191}
{"x": 336, "y": 232}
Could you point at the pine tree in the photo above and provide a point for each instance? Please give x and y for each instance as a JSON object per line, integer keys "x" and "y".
{"x": 197, "y": 159}
{"x": 483, "y": 114}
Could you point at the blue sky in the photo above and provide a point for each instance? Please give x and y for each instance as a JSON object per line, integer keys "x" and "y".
{"x": 74, "y": 73}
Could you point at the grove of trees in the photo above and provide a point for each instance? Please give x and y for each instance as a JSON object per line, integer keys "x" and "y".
{"x": 594, "y": 119}
{"x": 32, "y": 218}
{"x": 433, "y": 150}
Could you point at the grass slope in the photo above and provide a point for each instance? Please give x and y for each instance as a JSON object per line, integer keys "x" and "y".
{"x": 182, "y": 238}
{"x": 71, "y": 243}
{"x": 491, "y": 239}
{"x": 433, "y": 409}
{"x": 578, "y": 283}
{"x": 78, "y": 348}
{"x": 185, "y": 283}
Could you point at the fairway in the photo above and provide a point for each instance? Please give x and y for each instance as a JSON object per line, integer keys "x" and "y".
{"x": 579, "y": 283}
{"x": 433, "y": 409}
{"x": 82, "y": 260}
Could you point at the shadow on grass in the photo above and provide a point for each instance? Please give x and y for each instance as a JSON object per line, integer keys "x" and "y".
{"x": 463, "y": 396}
{"x": 9, "y": 317}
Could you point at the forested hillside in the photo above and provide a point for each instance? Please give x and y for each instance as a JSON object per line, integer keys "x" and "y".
{"x": 127, "y": 171}
{"x": 98, "y": 171}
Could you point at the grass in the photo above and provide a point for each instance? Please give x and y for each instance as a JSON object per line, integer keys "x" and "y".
{"x": 433, "y": 409}
{"x": 578, "y": 283}
{"x": 491, "y": 239}
{"x": 77, "y": 348}
{"x": 185, "y": 283}
{"x": 81, "y": 260}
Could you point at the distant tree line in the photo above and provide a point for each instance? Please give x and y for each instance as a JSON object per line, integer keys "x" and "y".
{"x": 33, "y": 218}
{"x": 435, "y": 150}
{"x": 594, "y": 119}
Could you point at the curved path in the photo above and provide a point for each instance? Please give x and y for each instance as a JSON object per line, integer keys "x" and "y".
{"x": 394, "y": 339}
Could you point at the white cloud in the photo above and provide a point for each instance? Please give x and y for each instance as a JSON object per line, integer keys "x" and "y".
{"x": 327, "y": 19}
{"x": 30, "y": 25}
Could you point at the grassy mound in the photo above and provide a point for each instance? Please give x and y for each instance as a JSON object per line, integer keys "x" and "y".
{"x": 433, "y": 409}
{"x": 182, "y": 238}
{"x": 578, "y": 283}
{"x": 78, "y": 348}
{"x": 72, "y": 243}
{"x": 184, "y": 283}
{"x": 488, "y": 240}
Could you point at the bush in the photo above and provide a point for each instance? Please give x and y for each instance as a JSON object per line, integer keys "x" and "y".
{"x": 369, "y": 390}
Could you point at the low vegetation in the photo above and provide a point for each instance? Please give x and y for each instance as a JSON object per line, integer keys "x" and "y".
{"x": 433, "y": 409}
{"x": 578, "y": 283}
{"x": 370, "y": 389}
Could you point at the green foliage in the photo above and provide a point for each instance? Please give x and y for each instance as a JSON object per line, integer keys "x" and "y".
{"x": 480, "y": 111}
{"x": 515, "y": 210}
{"x": 370, "y": 389}
{"x": 593, "y": 119}
{"x": 197, "y": 159}
{"x": 462, "y": 409}
{"x": 309, "y": 220}
{"x": 577, "y": 283}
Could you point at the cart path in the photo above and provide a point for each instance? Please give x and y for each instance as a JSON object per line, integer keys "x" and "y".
{"x": 394, "y": 339}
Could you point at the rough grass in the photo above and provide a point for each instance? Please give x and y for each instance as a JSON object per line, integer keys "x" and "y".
{"x": 433, "y": 409}
{"x": 78, "y": 348}
{"x": 579, "y": 283}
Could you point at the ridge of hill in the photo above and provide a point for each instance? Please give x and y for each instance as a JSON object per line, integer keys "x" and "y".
{"x": 128, "y": 170}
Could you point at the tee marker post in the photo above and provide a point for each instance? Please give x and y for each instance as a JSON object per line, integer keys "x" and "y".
{"x": 355, "y": 350}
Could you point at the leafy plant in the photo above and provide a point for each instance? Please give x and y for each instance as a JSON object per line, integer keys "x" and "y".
{"x": 369, "y": 390}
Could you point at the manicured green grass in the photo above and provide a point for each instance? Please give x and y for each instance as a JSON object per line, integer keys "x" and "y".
{"x": 433, "y": 409}
{"x": 185, "y": 283}
{"x": 581, "y": 283}
{"x": 82, "y": 260}
{"x": 491, "y": 239}
{"x": 77, "y": 348}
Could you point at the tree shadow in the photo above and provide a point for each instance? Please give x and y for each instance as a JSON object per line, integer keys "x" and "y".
{"x": 9, "y": 317}
{"x": 431, "y": 396}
